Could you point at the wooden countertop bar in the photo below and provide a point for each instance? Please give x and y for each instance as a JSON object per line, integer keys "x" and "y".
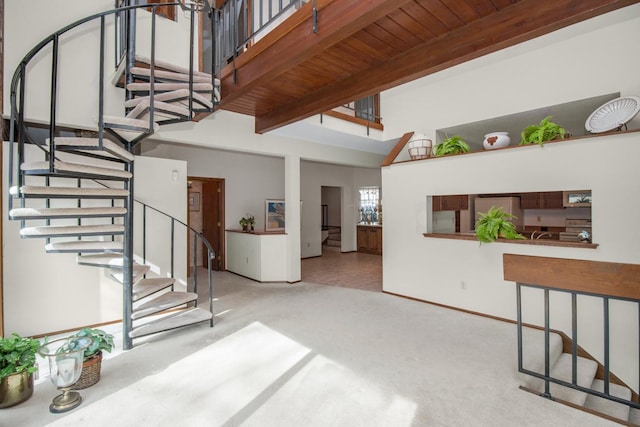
{"x": 256, "y": 232}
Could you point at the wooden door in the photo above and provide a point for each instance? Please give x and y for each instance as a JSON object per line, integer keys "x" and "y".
{"x": 213, "y": 220}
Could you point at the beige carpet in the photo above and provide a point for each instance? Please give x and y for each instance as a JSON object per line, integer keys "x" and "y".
{"x": 310, "y": 355}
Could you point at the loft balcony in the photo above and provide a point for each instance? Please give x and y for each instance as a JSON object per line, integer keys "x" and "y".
{"x": 321, "y": 54}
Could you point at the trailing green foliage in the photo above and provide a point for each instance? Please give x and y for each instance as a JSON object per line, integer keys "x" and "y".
{"x": 494, "y": 224}
{"x": 545, "y": 131}
{"x": 17, "y": 355}
{"x": 101, "y": 341}
{"x": 452, "y": 145}
{"x": 248, "y": 221}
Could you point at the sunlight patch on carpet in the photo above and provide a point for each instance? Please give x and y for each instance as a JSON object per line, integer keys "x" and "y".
{"x": 205, "y": 388}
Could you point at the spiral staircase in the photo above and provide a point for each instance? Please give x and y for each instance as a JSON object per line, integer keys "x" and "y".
{"x": 76, "y": 192}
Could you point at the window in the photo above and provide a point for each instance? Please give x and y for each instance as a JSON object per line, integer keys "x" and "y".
{"x": 369, "y": 205}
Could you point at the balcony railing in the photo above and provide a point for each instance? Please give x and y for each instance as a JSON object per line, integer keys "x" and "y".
{"x": 240, "y": 23}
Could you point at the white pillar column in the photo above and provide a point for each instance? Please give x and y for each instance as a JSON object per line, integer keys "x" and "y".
{"x": 292, "y": 216}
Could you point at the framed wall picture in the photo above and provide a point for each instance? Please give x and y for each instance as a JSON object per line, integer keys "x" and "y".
{"x": 274, "y": 215}
{"x": 194, "y": 202}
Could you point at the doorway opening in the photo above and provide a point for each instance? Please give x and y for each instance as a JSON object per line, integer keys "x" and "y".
{"x": 331, "y": 205}
{"x": 206, "y": 215}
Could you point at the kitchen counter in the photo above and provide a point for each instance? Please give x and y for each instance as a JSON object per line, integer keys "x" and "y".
{"x": 535, "y": 242}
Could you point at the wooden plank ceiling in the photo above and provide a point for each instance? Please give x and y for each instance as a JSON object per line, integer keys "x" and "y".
{"x": 363, "y": 47}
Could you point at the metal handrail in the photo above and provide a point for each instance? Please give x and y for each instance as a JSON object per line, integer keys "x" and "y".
{"x": 197, "y": 235}
{"x": 547, "y": 376}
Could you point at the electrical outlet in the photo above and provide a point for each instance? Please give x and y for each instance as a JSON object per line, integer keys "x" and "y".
{"x": 463, "y": 284}
{"x": 539, "y": 218}
{"x": 308, "y": 244}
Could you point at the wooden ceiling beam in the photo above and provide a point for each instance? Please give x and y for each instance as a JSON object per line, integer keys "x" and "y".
{"x": 517, "y": 23}
{"x": 337, "y": 20}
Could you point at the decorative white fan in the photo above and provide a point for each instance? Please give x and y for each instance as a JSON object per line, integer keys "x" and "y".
{"x": 613, "y": 114}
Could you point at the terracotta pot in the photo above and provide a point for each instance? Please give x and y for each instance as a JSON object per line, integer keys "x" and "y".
{"x": 15, "y": 389}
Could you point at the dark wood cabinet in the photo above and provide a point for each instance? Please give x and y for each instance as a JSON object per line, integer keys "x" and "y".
{"x": 370, "y": 239}
{"x": 541, "y": 200}
{"x": 458, "y": 202}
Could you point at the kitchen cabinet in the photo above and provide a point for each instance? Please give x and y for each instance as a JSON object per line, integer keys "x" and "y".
{"x": 370, "y": 239}
{"x": 458, "y": 202}
{"x": 541, "y": 200}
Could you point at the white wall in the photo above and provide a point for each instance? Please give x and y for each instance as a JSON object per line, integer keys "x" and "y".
{"x": 162, "y": 184}
{"x": 552, "y": 69}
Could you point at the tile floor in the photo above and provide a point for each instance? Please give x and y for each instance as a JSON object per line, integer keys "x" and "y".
{"x": 348, "y": 270}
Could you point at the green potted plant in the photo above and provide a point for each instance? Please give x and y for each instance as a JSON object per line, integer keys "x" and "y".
{"x": 93, "y": 356}
{"x": 247, "y": 223}
{"x": 494, "y": 224}
{"x": 546, "y": 130}
{"x": 17, "y": 365}
{"x": 451, "y": 145}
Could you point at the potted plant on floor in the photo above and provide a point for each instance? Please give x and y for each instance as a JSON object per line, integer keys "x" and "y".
{"x": 93, "y": 356}
{"x": 494, "y": 224}
{"x": 17, "y": 365}
{"x": 546, "y": 130}
{"x": 451, "y": 145}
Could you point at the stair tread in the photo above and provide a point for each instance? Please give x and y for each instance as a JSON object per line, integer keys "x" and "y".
{"x": 180, "y": 96}
{"x": 84, "y": 246}
{"x": 71, "y": 230}
{"x": 138, "y": 271}
{"x": 109, "y": 146}
{"x": 33, "y": 190}
{"x": 124, "y": 121}
{"x": 170, "y": 67}
{"x": 163, "y": 302}
{"x": 44, "y": 213}
{"x": 163, "y": 87}
{"x": 605, "y": 406}
{"x": 634, "y": 416}
{"x": 105, "y": 260}
{"x": 76, "y": 168}
{"x": 562, "y": 370}
{"x": 182, "y": 318}
{"x": 147, "y": 286}
{"x": 533, "y": 354}
{"x": 161, "y": 109}
{"x": 160, "y": 75}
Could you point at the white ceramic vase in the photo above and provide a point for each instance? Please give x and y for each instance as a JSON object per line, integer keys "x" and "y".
{"x": 496, "y": 140}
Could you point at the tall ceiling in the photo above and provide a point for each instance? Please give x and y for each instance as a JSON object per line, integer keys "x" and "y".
{"x": 362, "y": 47}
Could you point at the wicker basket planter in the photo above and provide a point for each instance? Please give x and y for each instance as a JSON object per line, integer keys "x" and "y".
{"x": 90, "y": 372}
